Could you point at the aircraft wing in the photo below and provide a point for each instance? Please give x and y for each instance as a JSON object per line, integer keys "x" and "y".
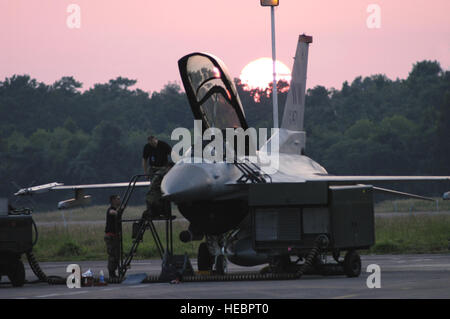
{"x": 379, "y": 179}
{"x": 360, "y": 179}
{"x": 80, "y": 198}
{"x": 60, "y": 186}
{"x": 357, "y": 179}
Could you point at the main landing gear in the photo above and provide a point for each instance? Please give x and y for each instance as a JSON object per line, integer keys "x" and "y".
{"x": 206, "y": 262}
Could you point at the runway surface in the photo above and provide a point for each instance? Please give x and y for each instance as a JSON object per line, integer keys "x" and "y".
{"x": 402, "y": 276}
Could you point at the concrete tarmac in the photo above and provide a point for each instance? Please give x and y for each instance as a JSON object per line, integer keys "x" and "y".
{"x": 402, "y": 276}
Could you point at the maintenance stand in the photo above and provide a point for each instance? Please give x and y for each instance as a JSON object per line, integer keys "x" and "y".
{"x": 173, "y": 266}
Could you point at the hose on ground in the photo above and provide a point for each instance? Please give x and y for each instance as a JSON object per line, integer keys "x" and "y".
{"x": 320, "y": 243}
{"x": 37, "y": 270}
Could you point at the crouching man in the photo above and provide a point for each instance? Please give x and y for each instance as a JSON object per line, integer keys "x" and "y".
{"x": 156, "y": 162}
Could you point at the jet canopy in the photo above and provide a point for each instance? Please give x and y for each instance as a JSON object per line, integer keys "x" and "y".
{"x": 211, "y": 92}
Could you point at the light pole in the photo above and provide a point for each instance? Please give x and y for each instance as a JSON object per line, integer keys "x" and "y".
{"x": 272, "y": 4}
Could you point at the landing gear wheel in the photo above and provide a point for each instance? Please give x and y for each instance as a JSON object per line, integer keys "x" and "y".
{"x": 220, "y": 265}
{"x": 352, "y": 264}
{"x": 336, "y": 255}
{"x": 16, "y": 273}
{"x": 204, "y": 259}
{"x": 318, "y": 264}
{"x": 280, "y": 264}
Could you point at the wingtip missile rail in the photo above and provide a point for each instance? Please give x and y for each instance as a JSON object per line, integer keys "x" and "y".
{"x": 37, "y": 189}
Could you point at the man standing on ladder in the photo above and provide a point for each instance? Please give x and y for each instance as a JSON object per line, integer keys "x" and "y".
{"x": 155, "y": 161}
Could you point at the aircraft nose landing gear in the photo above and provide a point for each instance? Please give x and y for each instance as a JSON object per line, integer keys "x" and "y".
{"x": 208, "y": 262}
{"x": 204, "y": 258}
{"x": 220, "y": 265}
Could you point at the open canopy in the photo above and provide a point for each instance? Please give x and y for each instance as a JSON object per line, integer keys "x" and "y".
{"x": 211, "y": 92}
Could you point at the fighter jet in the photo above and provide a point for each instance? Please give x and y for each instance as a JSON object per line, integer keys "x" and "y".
{"x": 216, "y": 197}
{"x": 235, "y": 206}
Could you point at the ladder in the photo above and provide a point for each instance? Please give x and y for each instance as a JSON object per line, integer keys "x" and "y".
{"x": 141, "y": 225}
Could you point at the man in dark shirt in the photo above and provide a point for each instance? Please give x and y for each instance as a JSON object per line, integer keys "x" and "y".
{"x": 155, "y": 154}
{"x": 112, "y": 236}
{"x": 155, "y": 161}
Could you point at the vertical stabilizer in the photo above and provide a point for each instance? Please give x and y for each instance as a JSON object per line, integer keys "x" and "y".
{"x": 295, "y": 102}
{"x": 291, "y": 137}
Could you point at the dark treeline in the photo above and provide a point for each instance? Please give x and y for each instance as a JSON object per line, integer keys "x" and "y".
{"x": 373, "y": 125}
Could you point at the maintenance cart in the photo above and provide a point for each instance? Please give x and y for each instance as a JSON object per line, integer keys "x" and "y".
{"x": 289, "y": 218}
{"x": 15, "y": 240}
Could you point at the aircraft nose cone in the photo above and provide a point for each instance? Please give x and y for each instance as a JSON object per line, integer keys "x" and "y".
{"x": 186, "y": 183}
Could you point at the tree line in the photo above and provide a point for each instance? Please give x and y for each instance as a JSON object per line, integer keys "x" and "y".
{"x": 373, "y": 125}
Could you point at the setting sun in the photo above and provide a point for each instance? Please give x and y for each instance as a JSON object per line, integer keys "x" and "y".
{"x": 258, "y": 73}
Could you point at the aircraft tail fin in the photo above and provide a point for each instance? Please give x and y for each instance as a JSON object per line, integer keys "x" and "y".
{"x": 294, "y": 109}
{"x": 295, "y": 103}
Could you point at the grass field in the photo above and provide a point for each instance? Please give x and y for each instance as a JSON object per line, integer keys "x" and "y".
{"x": 84, "y": 241}
{"x": 90, "y": 214}
{"x": 412, "y": 205}
{"x": 412, "y": 234}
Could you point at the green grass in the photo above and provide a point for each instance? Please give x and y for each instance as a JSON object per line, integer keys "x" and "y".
{"x": 412, "y": 234}
{"x": 405, "y": 234}
{"x": 91, "y": 213}
{"x": 85, "y": 242}
{"x": 414, "y": 205}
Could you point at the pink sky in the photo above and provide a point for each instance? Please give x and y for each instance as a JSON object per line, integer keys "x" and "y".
{"x": 143, "y": 39}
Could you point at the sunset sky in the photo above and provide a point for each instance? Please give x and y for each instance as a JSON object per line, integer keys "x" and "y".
{"x": 143, "y": 39}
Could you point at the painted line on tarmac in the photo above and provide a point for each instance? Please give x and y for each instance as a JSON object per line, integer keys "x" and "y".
{"x": 76, "y": 293}
{"x": 109, "y": 289}
{"x": 48, "y": 296}
{"x": 345, "y": 297}
{"x": 64, "y": 294}
{"x": 139, "y": 286}
{"x": 422, "y": 267}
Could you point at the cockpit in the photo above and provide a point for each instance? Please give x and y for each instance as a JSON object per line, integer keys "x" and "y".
{"x": 211, "y": 92}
